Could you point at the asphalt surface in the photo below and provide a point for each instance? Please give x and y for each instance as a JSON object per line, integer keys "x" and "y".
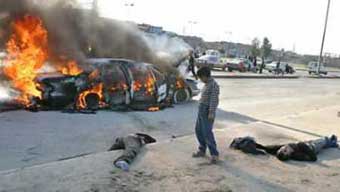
{"x": 28, "y": 139}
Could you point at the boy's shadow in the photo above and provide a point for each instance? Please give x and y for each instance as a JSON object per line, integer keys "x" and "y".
{"x": 234, "y": 117}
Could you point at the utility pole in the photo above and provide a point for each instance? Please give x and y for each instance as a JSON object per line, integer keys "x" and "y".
{"x": 228, "y": 33}
{"x": 191, "y": 25}
{"x": 95, "y": 8}
{"x": 129, "y": 6}
{"x": 323, "y": 38}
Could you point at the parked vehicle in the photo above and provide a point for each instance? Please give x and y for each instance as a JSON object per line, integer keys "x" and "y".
{"x": 211, "y": 59}
{"x": 279, "y": 68}
{"x": 238, "y": 65}
{"x": 266, "y": 61}
{"x": 249, "y": 65}
{"x": 115, "y": 83}
{"x": 313, "y": 68}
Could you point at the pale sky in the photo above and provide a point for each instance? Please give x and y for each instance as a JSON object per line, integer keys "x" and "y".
{"x": 285, "y": 22}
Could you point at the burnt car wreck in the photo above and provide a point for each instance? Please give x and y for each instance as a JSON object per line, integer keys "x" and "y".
{"x": 115, "y": 84}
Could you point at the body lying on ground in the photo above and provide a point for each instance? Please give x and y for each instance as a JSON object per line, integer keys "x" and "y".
{"x": 132, "y": 145}
{"x": 300, "y": 151}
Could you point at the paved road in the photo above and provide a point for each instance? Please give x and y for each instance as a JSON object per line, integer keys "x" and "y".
{"x": 33, "y": 138}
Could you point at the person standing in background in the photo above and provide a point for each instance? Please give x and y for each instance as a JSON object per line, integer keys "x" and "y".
{"x": 191, "y": 66}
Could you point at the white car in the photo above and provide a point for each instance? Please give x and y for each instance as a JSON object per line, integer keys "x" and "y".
{"x": 313, "y": 68}
{"x": 273, "y": 65}
{"x": 282, "y": 68}
{"x": 211, "y": 59}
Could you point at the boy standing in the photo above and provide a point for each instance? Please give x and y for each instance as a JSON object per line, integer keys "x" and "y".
{"x": 206, "y": 115}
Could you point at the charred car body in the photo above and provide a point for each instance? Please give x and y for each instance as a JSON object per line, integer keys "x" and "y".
{"x": 115, "y": 84}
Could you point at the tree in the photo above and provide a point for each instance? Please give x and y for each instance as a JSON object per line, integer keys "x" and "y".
{"x": 266, "y": 48}
{"x": 255, "y": 47}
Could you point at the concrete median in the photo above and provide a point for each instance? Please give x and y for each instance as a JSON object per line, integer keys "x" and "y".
{"x": 246, "y": 76}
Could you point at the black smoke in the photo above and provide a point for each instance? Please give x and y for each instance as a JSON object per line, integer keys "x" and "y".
{"x": 75, "y": 33}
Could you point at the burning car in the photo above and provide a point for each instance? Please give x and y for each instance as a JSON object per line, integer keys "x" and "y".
{"x": 115, "y": 84}
{"x": 32, "y": 48}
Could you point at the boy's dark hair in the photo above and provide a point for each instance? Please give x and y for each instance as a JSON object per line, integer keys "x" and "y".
{"x": 204, "y": 72}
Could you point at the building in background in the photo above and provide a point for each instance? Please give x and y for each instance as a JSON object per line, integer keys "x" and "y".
{"x": 150, "y": 28}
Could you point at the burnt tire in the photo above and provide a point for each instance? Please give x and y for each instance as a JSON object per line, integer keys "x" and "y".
{"x": 181, "y": 95}
{"x": 92, "y": 101}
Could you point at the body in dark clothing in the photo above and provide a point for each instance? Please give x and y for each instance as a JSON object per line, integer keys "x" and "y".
{"x": 301, "y": 151}
{"x": 132, "y": 145}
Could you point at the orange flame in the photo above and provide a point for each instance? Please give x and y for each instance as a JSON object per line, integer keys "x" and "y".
{"x": 150, "y": 84}
{"x": 71, "y": 68}
{"x": 124, "y": 86}
{"x": 120, "y": 87}
{"x": 153, "y": 109}
{"x": 27, "y": 52}
{"x": 94, "y": 75}
{"x": 137, "y": 86}
{"x": 98, "y": 89}
{"x": 179, "y": 83}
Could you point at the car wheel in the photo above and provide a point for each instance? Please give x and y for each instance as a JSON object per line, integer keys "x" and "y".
{"x": 310, "y": 72}
{"x": 230, "y": 69}
{"x": 181, "y": 95}
{"x": 92, "y": 101}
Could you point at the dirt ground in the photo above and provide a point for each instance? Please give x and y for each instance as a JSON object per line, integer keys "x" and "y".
{"x": 166, "y": 169}
{"x": 168, "y": 166}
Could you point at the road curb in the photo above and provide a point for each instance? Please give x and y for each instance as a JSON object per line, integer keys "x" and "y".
{"x": 323, "y": 77}
{"x": 253, "y": 77}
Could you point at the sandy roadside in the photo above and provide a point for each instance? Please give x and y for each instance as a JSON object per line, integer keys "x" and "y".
{"x": 168, "y": 166}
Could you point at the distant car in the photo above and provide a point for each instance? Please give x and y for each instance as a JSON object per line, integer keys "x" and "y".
{"x": 249, "y": 65}
{"x": 272, "y": 67}
{"x": 238, "y": 65}
{"x": 211, "y": 59}
{"x": 313, "y": 68}
{"x": 266, "y": 61}
{"x": 279, "y": 68}
{"x": 121, "y": 83}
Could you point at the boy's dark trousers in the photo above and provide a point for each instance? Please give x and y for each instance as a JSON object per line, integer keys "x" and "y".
{"x": 204, "y": 133}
